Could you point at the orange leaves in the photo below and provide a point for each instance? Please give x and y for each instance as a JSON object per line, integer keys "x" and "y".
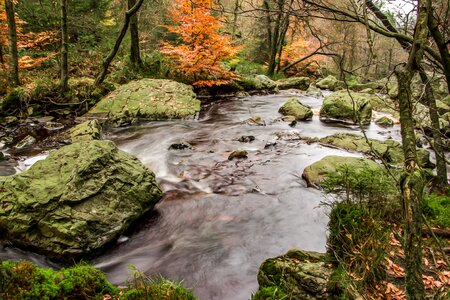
{"x": 394, "y": 293}
{"x": 201, "y": 48}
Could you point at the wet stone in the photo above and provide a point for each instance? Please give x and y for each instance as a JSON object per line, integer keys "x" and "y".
{"x": 246, "y": 139}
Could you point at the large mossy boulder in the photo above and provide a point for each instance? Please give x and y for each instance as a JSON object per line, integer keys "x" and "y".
{"x": 150, "y": 99}
{"x": 296, "y": 275}
{"x": 78, "y": 200}
{"x": 347, "y": 107}
{"x": 299, "y": 83}
{"x": 294, "y": 108}
{"x": 315, "y": 173}
{"x": 391, "y": 151}
{"x": 330, "y": 83}
{"x": 257, "y": 82}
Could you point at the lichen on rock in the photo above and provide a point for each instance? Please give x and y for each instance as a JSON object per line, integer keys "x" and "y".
{"x": 76, "y": 201}
{"x": 151, "y": 99}
{"x": 300, "y": 274}
{"x": 347, "y": 106}
{"x": 295, "y": 108}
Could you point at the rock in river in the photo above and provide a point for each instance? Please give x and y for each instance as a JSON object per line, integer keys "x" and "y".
{"x": 317, "y": 172}
{"x": 347, "y": 107}
{"x": 151, "y": 99}
{"x": 76, "y": 201}
{"x": 301, "y": 83}
{"x": 330, "y": 83}
{"x": 294, "y": 108}
{"x": 391, "y": 151}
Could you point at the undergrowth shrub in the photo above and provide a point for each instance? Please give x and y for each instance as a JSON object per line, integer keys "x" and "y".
{"x": 358, "y": 232}
{"x": 143, "y": 287}
{"x": 25, "y": 280}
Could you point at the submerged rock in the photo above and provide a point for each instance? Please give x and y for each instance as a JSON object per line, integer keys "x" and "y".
{"x": 300, "y": 274}
{"x": 342, "y": 106}
{"x": 300, "y": 83}
{"x": 238, "y": 154}
{"x": 246, "y": 139}
{"x": 76, "y": 201}
{"x": 293, "y": 107}
{"x": 391, "y": 151}
{"x": 152, "y": 99}
{"x": 181, "y": 146}
{"x": 330, "y": 83}
{"x": 255, "y": 121}
{"x": 318, "y": 171}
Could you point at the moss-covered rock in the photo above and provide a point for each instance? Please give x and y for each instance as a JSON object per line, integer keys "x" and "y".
{"x": 76, "y": 201}
{"x": 257, "y": 82}
{"x": 317, "y": 172}
{"x": 385, "y": 122}
{"x": 300, "y": 83}
{"x": 300, "y": 274}
{"x": 24, "y": 280}
{"x": 151, "y": 99}
{"x": 293, "y": 107}
{"x": 373, "y": 86}
{"x": 442, "y": 106}
{"x": 347, "y": 107}
{"x": 86, "y": 131}
{"x": 330, "y": 83}
{"x": 389, "y": 150}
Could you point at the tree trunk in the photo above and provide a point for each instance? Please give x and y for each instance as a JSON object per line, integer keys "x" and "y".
{"x": 441, "y": 45}
{"x": 412, "y": 181}
{"x": 437, "y": 144}
{"x": 64, "y": 83}
{"x": 102, "y": 75}
{"x": 135, "y": 56}
{"x": 2, "y": 59}
{"x": 13, "y": 74}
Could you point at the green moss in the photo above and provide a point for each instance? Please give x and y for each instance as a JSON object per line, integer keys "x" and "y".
{"x": 293, "y": 107}
{"x": 26, "y": 281}
{"x": 347, "y": 106}
{"x": 270, "y": 293}
{"x": 437, "y": 207}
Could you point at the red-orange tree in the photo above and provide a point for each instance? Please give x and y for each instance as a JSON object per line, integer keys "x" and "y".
{"x": 199, "y": 53}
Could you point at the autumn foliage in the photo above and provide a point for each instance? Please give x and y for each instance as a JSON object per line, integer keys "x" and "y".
{"x": 201, "y": 48}
{"x": 298, "y": 48}
{"x": 25, "y": 40}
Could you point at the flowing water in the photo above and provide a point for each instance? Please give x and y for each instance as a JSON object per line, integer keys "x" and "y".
{"x": 219, "y": 219}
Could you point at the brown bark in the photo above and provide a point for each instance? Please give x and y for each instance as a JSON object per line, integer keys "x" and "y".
{"x": 429, "y": 95}
{"x": 412, "y": 182}
{"x": 13, "y": 74}
{"x": 135, "y": 56}
{"x": 441, "y": 45}
{"x": 437, "y": 144}
{"x": 443, "y": 233}
{"x": 64, "y": 80}
{"x": 102, "y": 75}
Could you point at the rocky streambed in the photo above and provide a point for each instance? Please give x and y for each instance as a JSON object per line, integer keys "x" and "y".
{"x": 222, "y": 216}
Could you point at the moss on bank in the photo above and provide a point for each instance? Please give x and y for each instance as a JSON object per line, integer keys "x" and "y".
{"x": 25, "y": 280}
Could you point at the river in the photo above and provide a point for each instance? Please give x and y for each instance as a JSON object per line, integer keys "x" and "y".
{"x": 219, "y": 219}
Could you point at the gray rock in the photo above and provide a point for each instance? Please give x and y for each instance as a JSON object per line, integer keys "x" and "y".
{"x": 347, "y": 107}
{"x": 78, "y": 200}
